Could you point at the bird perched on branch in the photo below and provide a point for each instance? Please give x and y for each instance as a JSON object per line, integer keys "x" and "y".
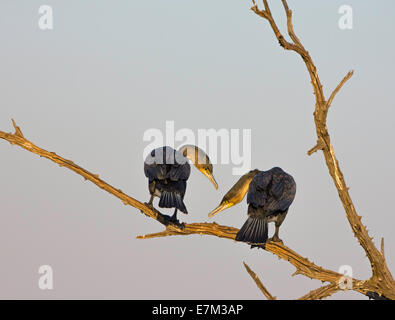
{"x": 168, "y": 170}
{"x": 270, "y": 194}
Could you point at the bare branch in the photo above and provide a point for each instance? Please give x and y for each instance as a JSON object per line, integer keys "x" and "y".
{"x": 382, "y": 246}
{"x": 266, "y": 14}
{"x": 291, "y": 31}
{"x": 211, "y": 229}
{"x": 339, "y": 86}
{"x": 319, "y": 146}
{"x": 259, "y": 283}
{"x": 18, "y": 131}
{"x": 297, "y": 46}
{"x": 321, "y": 293}
{"x": 382, "y": 249}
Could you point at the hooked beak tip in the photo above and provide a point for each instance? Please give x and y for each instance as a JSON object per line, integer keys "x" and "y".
{"x": 212, "y": 179}
{"x": 217, "y": 210}
{"x": 212, "y": 214}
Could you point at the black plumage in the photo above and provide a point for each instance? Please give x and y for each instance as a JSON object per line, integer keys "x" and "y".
{"x": 270, "y": 194}
{"x": 167, "y": 171}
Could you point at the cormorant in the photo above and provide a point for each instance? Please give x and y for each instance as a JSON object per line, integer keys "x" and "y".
{"x": 270, "y": 194}
{"x": 168, "y": 170}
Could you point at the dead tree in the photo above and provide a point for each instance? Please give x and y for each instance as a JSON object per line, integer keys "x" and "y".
{"x": 380, "y": 285}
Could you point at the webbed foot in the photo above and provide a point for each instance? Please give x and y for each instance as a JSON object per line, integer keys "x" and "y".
{"x": 176, "y": 222}
{"x": 150, "y": 205}
{"x": 275, "y": 238}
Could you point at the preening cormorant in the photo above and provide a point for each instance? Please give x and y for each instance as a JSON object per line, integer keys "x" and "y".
{"x": 168, "y": 170}
{"x": 270, "y": 194}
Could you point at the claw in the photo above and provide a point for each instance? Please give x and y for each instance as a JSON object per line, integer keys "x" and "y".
{"x": 275, "y": 239}
{"x": 150, "y": 205}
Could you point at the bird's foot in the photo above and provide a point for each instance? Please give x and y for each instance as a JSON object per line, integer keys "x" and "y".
{"x": 275, "y": 238}
{"x": 178, "y": 224}
{"x": 173, "y": 220}
{"x": 150, "y": 205}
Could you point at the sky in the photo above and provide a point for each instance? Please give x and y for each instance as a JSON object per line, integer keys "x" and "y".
{"x": 108, "y": 71}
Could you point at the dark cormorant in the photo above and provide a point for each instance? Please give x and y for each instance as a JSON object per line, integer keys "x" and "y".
{"x": 270, "y": 194}
{"x": 168, "y": 170}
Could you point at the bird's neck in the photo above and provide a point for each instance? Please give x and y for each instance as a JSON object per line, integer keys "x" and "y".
{"x": 244, "y": 183}
{"x": 194, "y": 154}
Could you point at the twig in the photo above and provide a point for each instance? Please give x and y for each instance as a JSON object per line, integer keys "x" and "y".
{"x": 339, "y": 86}
{"x": 321, "y": 293}
{"x": 259, "y": 283}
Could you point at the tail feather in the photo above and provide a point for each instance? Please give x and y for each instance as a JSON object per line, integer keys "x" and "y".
{"x": 254, "y": 230}
{"x": 170, "y": 199}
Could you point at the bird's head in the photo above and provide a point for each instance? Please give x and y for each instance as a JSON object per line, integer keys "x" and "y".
{"x": 200, "y": 160}
{"x": 236, "y": 194}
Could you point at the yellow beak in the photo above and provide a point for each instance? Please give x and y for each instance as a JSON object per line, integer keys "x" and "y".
{"x": 220, "y": 208}
{"x": 211, "y": 178}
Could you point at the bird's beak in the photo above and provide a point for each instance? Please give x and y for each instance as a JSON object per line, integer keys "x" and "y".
{"x": 220, "y": 208}
{"x": 211, "y": 178}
